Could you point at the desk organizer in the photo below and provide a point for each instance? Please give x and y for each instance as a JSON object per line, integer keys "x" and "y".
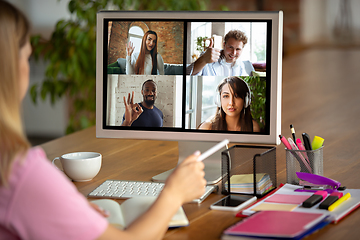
{"x": 295, "y": 163}
{"x": 249, "y": 170}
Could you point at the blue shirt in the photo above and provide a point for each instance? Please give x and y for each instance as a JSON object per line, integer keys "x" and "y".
{"x": 148, "y": 118}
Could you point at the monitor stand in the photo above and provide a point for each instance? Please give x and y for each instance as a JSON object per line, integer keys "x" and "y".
{"x": 212, "y": 163}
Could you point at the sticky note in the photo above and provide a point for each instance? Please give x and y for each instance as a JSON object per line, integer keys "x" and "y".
{"x": 286, "y": 198}
{"x": 274, "y": 207}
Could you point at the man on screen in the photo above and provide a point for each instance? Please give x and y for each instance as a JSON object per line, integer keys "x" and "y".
{"x": 225, "y": 62}
{"x": 143, "y": 114}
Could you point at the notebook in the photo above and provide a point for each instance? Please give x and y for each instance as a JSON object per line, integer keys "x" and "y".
{"x": 288, "y": 189}
{"x": 122, "y": 215}
{"x": 278, "y": 224}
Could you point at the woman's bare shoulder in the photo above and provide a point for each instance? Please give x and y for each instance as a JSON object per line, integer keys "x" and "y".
{"x": 205, "y": 125}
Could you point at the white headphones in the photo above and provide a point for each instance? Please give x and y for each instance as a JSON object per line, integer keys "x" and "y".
{"x": 247, "y": 100}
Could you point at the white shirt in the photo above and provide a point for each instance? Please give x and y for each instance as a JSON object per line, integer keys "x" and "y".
{"x": 131, "y": 61}
{"x": 222, "y": 68}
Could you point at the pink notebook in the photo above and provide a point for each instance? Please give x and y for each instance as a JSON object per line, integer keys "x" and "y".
{"x": 276, "y": 224}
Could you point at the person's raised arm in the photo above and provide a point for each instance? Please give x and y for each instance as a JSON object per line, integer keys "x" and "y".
{"x": 183, "y": 185}
{"x": 132, "y": 111}
{"x": 129, "y": 53}
{"x": 211, "y": 55}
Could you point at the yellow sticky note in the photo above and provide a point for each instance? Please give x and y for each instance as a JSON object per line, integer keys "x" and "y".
{"x": 274, "y": 207}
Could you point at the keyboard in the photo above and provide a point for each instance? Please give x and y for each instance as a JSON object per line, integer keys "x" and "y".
{"x": 119, "y": 189}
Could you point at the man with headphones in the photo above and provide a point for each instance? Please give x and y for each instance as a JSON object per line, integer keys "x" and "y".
{"x": 225, "y": 62}
{"x": 233, "y": 113}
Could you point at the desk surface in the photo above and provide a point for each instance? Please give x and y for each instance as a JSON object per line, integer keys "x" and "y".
{"x": 320, "y": 96}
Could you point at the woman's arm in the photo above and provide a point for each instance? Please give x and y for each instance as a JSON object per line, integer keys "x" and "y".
{"x": 160, "y": 64}
{"x": 183, "y": 185}
{"x": 131, "y": 58}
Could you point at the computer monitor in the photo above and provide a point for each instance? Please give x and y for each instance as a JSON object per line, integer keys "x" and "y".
{"x": 172, "y": 49}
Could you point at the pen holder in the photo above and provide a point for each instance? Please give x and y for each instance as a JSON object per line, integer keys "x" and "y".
{"x": 309, "y": 161}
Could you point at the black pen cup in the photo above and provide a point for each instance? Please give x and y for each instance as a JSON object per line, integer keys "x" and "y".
{"x": 309, "y": 161}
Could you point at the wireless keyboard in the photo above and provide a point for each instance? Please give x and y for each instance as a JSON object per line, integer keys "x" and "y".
{"x": 119, "y": 189}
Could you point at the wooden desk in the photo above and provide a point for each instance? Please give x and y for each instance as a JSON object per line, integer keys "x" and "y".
{"x": 320, "y": 96}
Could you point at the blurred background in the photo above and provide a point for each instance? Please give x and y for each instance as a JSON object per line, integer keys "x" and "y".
{"x": 307, "y": 24}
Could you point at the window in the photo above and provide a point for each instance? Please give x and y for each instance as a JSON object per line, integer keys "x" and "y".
{"x": 255, "y": 49}
{"x": 135, "y": 36}
{"x": 199, "y": 29}
{"x": 200, "y": 100}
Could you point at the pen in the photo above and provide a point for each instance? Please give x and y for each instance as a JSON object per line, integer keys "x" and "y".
{"x": 293, "y": 132}
{"x": 294, "y": 147}
{"x": 306, "y": 140}
{"x": 338, "y": 202}
{"x": 214, "y": 149}
{"x": 302, "y": 148}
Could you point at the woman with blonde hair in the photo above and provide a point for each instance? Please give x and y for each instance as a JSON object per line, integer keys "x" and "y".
{"x": 233, "y": 112}
{"x": 148, "y": 61}
{"x": 37, "y": 200}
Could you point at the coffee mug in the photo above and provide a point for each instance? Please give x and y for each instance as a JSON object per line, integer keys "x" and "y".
{"x": 80, "y": 166}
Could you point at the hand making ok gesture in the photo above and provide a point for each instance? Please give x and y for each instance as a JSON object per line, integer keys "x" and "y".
{"x": 132, "y": 110}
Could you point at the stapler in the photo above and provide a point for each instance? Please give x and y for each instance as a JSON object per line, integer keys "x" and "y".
{"x": 313, "y": 183}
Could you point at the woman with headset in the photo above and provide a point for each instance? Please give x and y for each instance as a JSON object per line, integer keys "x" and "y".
{"x": 148, "y": 61}
{"x": 233, "y": 112}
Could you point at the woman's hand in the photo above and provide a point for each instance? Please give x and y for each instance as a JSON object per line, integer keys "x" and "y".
{"x": 103, "y": 212}
{"x": 187, "y": 181}
{"x": 130, "y": 48}
{"x": 132, "y": 111}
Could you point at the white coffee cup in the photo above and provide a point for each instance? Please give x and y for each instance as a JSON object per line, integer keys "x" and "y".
{"x": 80, "y": 166}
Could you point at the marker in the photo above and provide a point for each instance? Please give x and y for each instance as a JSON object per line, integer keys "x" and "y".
{"x": 294, "y": 147}
{"x": 293, "y": 132}
{"x": 302, "y": 148}
{"x": 317, "y": 142}
{"x": 314, "y": 199}
{"x": 340, "y": 201}
{"x": 307, "y": 142}
{"x": 330, "y": 200}
{"x": 285, "y": 142}
{"x": 213, "y": 150}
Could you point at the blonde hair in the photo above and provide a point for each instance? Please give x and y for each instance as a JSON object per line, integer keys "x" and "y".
{"x": 14, "y": 33}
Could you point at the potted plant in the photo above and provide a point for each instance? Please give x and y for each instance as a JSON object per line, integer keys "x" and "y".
{"x": 71, "y": 54}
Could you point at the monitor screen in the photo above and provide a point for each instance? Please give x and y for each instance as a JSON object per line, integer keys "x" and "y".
{"x": 189, "y": 76}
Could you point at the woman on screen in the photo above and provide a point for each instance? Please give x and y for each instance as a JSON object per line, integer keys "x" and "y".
{"x": 233, "y": 112}
{"x": 37, "y": 200}
{"x": 148, "y": 61}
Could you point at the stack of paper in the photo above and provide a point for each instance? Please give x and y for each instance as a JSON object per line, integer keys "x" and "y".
{"x": 244, "y": 183}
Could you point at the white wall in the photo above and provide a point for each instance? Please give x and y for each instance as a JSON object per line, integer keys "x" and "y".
{"x": 168, "y": 87}
{"x": 320, "y": 18}
{"x": 43, "y": 119}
